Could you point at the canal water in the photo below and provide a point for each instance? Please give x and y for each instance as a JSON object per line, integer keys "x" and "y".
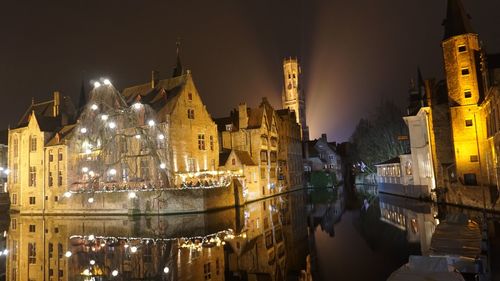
{"x": 323, "y": 233}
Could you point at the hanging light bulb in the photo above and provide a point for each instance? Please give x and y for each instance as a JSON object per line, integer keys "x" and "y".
{"x": 166, "y": 269}
{"x": 163, "y": 166}
{"x": 107, "y": 82}
{"x": 94, "y": 106}
{"x": 85, "y": 169}
{"x": 83, "y": 130}
{"x": 67, "y": 194}
{"x": 112, "y": 172}
{"x": 90, "y": 200}
{"x": 137, "y": 105}
{"x": 97, "y": 84}
{"x": 104, "y": 117}
{"x": 161, "y": 136}
{"x": 114, "y": 273}
{"x": 137, "y": 136}
{"x": 68, "y": 254}
{"x": 112, "y": 125}
{"x": 151, "y": 123}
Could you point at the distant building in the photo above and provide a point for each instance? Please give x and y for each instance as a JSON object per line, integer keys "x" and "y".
{"x": 321, "y": 155}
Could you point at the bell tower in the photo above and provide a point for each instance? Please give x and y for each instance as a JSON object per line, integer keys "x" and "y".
{"x": 462, "y": 62}
{"x": 292, "y": 96}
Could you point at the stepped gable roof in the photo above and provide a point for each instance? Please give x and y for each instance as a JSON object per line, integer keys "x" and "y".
{"x": 390, "y": 161}
{"x": 244, "y": 157}
{"x": 255, "y": 117}
{"x": 457, "y": 21}
{"x": 162, "y": 97}
{"x": 223, "y": 121}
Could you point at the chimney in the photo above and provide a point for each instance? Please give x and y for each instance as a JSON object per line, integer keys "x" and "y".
{"x": 154, "y": 78}
{"x": 324, "y": 138}
{"x": 243, "y": 115}
{"x": 57, "y": 103}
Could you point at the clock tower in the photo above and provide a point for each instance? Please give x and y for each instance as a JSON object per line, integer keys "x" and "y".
{"x": 293, "y": 97}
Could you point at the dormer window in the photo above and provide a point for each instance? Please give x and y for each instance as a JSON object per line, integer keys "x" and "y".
{"x": 462, "y": 48}
{"x": 229, "y": 127}
{"x": 190, "y": 96}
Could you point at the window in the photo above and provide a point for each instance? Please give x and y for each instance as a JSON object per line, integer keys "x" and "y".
{"x": 470, "y": 179}
{"x": 59, "y": 178}
{"x": 212, "y": 143}
{"x": 59, "y": 250}
{"x": 269, "y": 239}
{"x": 31, "y": 253}
{"x": 144, "y": 168}
{"x": 51, "y": 272}
{"x": 56, "y": 198}
{"x": 190, "y": 113}
{"x": 465, "y": 71}
{"x": 16, "y": 147}
{"x": 60, "y": 155}
{"x": 51, "y": 250}
{"x": 474, "y": 158}
{"x": 190, "y": 96}
{"x": 229, "y": 127}
{"x": 468, "y": 123}
{"x": 32, "y": 143}
{"x": 51, "y": 156}
{"x": 32, "y": 178}
{"x": 233, "y": 162}
{"x": 51, "y": 179}
{"x": 14, "y": 198}
{"x": 263, "y": 173}
{"x": 61, "y": 273}
{"x": 32, "y": 200}
{"x": 32, "y": 228}
{"x": 468, "y": 94}
{"x": 13, "y": 224}
{"x": 201, "y": 142}
{"x": 207, "y": 271}
{"x": 15, "y": 173}
{"x": 191, "y": 164}
{"x": 217, "y": 266}
{"x": 462, "y": 48}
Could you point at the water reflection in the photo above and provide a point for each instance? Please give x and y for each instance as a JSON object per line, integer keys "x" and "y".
{"x": 265, "y": 240}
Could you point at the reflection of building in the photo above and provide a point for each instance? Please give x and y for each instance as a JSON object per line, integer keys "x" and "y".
{"x": 251, "y": 243}
{"x": 416, "y": 218}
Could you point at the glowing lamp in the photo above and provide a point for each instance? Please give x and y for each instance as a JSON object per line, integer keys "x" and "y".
{"x": 112, "y": 125}
{"x": 83, "y": 130}
{"x": 67, "y": 194}
{"x": 92, "y": 262}
{"x": 85, "y": 169}
{"x": 151, "y": 123}
{"x": 68, "y": 254}
{"x": 132, "y": 195}
{"x": 112, "y": 172}
{"x": 163, "y": 166}
{"x": 97, "y": 84}
{"x": 106, "y": 82}
{"x": 104, "y": 117}
{"x": 137, "y": 105}
{"x": 91, "y": 237}
{"x": 133, "y": 249}
{"x": 166, "y": 269}
{"x": 90, "y": 200}
{"x": 114, "y": 272}
{"x": 161, "y": 136}
{"x": 86, "y": 272}
{"x": 94, "y": 106}
{"x": 137, "y": 136}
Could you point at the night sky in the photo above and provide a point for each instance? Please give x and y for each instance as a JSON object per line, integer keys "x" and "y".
{"x": 353, "y": 53}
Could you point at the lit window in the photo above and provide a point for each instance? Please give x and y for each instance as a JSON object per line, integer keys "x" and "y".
{"x": 201, "y": 142}
{"x": 14, "y": 199}
{"x": 32, "y": 143}
{"x": 229, "y": 127}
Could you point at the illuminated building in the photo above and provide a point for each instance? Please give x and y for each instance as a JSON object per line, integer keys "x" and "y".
{"x": 293, "y": 96}
{"x": 321, "y": 155}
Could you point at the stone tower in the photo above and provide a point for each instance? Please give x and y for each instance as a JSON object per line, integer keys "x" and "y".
{"x": 462, "y": 61}
{"x": 293, "y": 97}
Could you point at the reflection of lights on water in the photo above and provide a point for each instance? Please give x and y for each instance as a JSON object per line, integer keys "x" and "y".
{"x": 91, "y": 237}
{"x": 133, "y": 249}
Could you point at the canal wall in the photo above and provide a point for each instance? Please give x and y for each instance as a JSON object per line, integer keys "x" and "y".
{"x": 147, "y": 202}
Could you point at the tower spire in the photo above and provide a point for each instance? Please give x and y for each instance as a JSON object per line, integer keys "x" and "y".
{"x": 83, "y": 98}
{"x": 178, "y": 70}
{"x": 457, "y": 21}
